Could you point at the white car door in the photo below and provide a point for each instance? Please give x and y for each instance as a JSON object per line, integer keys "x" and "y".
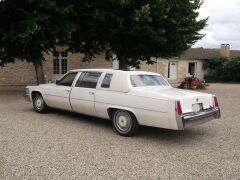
{"x": 83, "y": 93}
{"x": 58, "y": 95}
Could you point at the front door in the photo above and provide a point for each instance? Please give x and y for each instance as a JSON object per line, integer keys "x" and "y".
{"x": 172, "y": 70}
{"x": 83, "y": 94}
{"x": 58, "y": 95}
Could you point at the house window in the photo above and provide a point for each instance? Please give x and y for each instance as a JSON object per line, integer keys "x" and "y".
{"x": 192, "y": 66}
{"x": 59, "y": 63}
{"x": 115, "y": 63}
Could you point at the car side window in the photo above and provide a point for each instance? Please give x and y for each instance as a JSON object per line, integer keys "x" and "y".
{"x": 88, "y": 79}
{"x": 68, "y": 79}
{"x": 107, "y": 81}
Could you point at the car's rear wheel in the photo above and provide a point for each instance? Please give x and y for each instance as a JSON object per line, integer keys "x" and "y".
{"x": 39, "y": 104}
{"x": 125, "y": 123}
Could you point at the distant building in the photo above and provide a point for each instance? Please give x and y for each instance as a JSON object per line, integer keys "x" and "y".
{"x": 58, "y": 63}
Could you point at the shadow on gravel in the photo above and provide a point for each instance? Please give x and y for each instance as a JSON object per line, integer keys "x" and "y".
{"x": 173, "y": 136}
{"x": 95, "y": 121}
{"x": 147, "y": 133}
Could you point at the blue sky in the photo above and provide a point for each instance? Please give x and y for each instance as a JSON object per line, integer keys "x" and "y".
{"x": 223, "y": 24}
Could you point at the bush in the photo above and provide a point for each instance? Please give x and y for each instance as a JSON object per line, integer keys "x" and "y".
{"x": 223, "y": 71}
{"x": 192, "y": 83}
{"x": 201, "y": 86}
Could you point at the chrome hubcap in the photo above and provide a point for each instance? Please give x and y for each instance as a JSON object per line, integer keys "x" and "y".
{"x": 38, "y": 103}
{"x": 123, "y": 121}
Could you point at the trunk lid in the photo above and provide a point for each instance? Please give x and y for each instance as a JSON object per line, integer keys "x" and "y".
{"x": 187, "y": 98}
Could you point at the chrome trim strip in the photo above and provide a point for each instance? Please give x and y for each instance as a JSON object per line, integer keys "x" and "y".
{"x": 57, "y": 96}
{"x": 205, "y": 116}
{"x": 119, "y": 105}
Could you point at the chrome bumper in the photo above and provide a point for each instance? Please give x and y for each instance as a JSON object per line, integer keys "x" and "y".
{"x": 26, "y": 94}
{"x": 26, "y": 97}
{"x": 189, "y": 120}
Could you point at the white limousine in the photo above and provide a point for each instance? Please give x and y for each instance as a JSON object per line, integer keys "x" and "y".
{"x": 128, "y": 98}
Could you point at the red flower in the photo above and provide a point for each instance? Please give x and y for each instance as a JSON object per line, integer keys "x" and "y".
{"x": 196, "y": 83}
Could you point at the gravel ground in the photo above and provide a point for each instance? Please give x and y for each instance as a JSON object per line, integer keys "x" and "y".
{"x": 63, "y": 145}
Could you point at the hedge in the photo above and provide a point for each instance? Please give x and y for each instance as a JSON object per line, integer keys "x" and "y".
{"x": 222, "y": 69}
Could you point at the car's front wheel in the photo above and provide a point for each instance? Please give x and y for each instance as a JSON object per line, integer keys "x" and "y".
{"x": 125, "y": 123}
{"x": 39, "y": 104}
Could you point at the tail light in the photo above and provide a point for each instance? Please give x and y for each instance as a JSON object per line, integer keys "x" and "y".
{"x": 215, "y": 102}
{"x": 179, "y": 108}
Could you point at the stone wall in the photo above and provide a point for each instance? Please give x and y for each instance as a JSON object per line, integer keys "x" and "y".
{"x": 22, "y": 73}
{"x": 19, "y": 73}
{"x": 74, "y": 62}
{"x": 161, "y": 67}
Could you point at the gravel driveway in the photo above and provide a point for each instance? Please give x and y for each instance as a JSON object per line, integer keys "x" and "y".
{"x": 63, "y": 145}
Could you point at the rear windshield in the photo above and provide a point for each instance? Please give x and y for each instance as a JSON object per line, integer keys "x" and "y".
{"x": 147, "y": 80}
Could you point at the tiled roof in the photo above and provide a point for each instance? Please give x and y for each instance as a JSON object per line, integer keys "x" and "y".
{"x": 202, "y": 53}
{"x": 234, "y": 53}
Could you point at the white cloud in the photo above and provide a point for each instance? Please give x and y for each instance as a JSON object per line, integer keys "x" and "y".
{"x": 223, "y": 24}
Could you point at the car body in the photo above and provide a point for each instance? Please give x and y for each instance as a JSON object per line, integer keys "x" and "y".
{"x": 129, "y": 98}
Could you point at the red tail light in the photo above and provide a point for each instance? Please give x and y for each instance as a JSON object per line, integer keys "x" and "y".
{"x": 215, "y": 102}
{"x": 179, "y": 108}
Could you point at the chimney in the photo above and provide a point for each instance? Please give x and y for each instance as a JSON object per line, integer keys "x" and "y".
{"x": 225, "y": 50}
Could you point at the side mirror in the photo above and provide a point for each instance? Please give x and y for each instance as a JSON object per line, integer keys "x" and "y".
{"x": 57, "y": 82}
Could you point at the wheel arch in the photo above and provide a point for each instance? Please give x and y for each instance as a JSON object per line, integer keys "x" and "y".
{"x": 34, "y": 92}
{"x": 112, "y": 109}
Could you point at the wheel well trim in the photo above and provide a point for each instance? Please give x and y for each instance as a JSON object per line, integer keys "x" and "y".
{"x": 109, "y": 108}
{"x": 35, "y": 91}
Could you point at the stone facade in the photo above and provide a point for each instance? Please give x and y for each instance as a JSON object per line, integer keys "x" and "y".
{"x": 22, "y": 73}
{"x": 19, "y": 73}
{"x": 74, "y": 61}
{"x": 161, "y": 66}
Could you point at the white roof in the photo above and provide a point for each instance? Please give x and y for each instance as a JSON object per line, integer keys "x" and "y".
{"x": 115, "y": 71}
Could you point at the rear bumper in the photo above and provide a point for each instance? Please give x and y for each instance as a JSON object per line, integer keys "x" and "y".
{"x": 191, "y": 120}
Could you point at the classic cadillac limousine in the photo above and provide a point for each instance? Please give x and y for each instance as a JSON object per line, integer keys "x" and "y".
{"x": 128, "y": 98}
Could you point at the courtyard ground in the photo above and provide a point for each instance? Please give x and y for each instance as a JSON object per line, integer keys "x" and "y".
{"x": 63, "y": 145}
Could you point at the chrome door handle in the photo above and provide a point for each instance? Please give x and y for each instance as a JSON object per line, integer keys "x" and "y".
{"x": 67, "y": 90}
{"x": 92, "y": 93}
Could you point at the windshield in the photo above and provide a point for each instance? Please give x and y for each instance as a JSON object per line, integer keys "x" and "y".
{"x": 147, "y": 80}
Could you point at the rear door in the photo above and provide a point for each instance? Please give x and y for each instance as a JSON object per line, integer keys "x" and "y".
{"x": 83, "y": 93}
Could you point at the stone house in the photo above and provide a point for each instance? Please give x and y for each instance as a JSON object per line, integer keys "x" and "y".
{"x": 58, "y": 63}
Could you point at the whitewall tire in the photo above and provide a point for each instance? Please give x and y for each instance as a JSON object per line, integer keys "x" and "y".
{"x": 125, "y": 123}
{"x": 39, "y": 104}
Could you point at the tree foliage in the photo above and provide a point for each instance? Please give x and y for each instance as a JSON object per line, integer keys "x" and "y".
{"x": 30, "y": 28}
{"x": 134, "y": 30}
{"x": 137, "y": 30}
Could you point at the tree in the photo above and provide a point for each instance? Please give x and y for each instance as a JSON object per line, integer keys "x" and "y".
{"x": 136, "y": 30}
{"x": 31, "y": 28}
